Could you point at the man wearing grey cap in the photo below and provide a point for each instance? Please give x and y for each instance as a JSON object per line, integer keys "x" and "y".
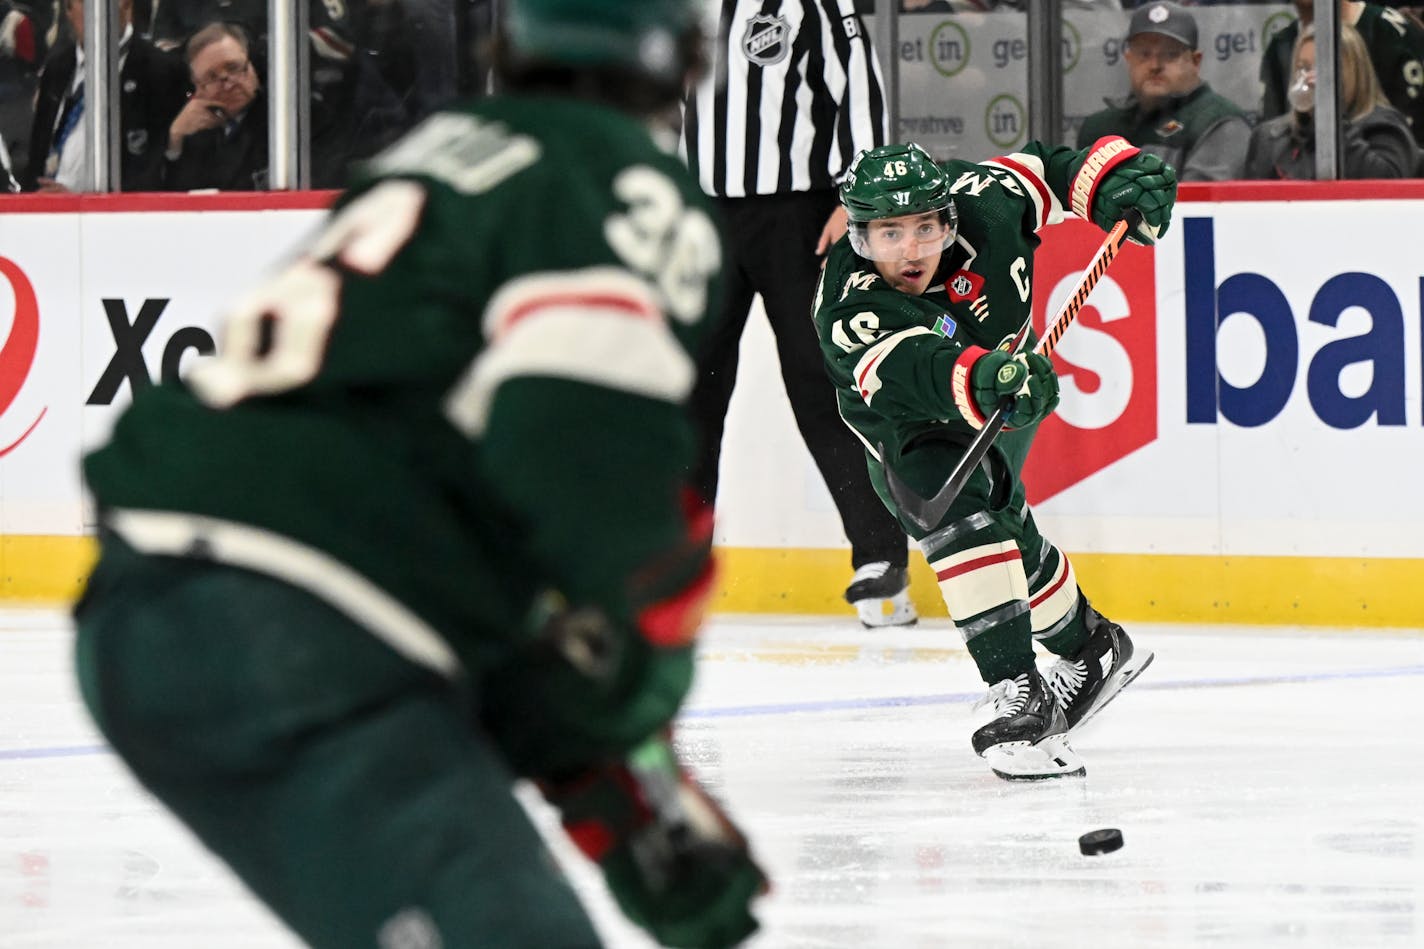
{"x": 1171, "y": 112}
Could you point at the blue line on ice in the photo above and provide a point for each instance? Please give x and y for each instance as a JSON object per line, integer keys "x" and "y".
{"x": 888, "y": 701}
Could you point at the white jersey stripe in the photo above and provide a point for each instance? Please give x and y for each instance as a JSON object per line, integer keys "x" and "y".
{"x": 867, "y": 376}
{"x": 241, "y": 545}
{"x": 1032, "y": 178}
{"x": 603, "y": 346}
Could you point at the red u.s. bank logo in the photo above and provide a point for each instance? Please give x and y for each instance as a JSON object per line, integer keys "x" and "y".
{"x": 1106, "y": 362}
{"x": 17, "y": 356}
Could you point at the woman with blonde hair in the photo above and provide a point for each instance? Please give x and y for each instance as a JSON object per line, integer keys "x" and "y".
{"x": 1376, "y": 139}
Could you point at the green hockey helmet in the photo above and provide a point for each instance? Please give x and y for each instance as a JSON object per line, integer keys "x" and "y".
{"x": 645, "y": 37}
{"x": 898, "y": 181}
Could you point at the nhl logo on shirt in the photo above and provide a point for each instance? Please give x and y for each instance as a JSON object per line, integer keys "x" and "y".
{"x": 767, "y": 40}
{"x": 963, "y": 286}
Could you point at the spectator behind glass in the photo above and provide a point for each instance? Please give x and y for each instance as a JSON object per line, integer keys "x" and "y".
{"x": 1171, "y": 112}
{"x": 25, "y": 34}
{"x": 376, "y": 67}
{"x": 1395, "y": 44}
{"x": 152, "y": 84}
{"x": 1377, "y": 142}
{"x": 219, "y": 139}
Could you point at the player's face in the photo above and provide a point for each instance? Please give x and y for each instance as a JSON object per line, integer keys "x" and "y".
{"x": 906, "y": 249}
{"x": 1159, "y": 66}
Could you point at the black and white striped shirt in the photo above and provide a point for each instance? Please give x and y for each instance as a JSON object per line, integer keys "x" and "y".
{"x": 793, "y": 93}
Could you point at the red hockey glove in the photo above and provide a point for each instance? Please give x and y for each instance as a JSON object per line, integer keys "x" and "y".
{"x": 673, "y": 860}
{"x": 1114, "y": 177}
{"x": 982, "y": 380}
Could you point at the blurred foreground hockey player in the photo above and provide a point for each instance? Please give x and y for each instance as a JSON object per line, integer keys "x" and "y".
{"x": 418, "y": 531}
{"x": 920, "y": 311}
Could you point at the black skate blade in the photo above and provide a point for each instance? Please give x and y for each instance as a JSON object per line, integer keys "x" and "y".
{"x": 1022, "y": 778}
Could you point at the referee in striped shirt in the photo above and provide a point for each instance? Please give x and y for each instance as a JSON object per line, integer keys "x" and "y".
{"x": 793, "y": 93}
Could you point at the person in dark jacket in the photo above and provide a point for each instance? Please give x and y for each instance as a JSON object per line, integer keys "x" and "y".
{"x": 1377, "y": 141}
{"x": 1393, "y": 39}
{"x": 152, "y": 87}
{"x": 219, "y": 139}
{"x": 25, "y": 28}
{"x": 376, "y": 66}
{"x": 1172, "y": 113}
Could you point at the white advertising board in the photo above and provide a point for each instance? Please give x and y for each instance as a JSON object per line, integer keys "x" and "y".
{"x": 1291, "y": 429}
{"x": 1249, "y": 388}
{"x": 118, "y": 299}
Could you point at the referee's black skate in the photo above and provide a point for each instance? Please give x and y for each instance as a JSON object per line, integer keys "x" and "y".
{"x": 880, "y": 594}
{"x": 1027, "y": 740}
{"x": 1105, "y": 665}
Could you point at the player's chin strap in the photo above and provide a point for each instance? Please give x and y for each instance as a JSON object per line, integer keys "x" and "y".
{"x": 926, "y": 513}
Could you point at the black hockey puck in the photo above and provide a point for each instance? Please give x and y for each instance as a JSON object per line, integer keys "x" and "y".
{"x": 1100, "y": 841}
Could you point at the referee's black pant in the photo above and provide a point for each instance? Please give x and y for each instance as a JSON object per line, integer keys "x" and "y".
{"x": 772, "y": 243}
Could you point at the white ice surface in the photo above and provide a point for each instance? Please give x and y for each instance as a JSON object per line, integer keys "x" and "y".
{"x": 1269, "y": 785}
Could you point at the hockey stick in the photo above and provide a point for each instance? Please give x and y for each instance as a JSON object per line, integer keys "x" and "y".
{"x": 927, "y": 512}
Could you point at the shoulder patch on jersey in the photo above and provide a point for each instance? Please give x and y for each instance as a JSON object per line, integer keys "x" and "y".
{"x": 963, "y": 285}
{"x": 945, "y": 326}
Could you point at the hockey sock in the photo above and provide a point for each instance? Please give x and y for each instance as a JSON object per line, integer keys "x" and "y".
{"x": 1001, "y": 650}
{"x": 1071, "y": 637}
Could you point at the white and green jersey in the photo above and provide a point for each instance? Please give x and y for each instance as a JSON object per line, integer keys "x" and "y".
{"x": 892, "y": 355}
{"x": 467, "y": 387}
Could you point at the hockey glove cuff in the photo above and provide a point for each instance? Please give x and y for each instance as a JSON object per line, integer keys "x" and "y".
{"x": 1027, "y": 378}
{"x": 673, "y": 860}
{"x": 1114, "y": 177}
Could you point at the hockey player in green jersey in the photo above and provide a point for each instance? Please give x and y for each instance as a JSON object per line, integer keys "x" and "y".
{"x": 923, "y": 314}
{"x": 417, "y": 531}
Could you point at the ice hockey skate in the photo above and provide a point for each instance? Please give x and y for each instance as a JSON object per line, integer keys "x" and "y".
{"x": 880, "y": 594}
{"x": 1105, "y": 665}
{"x": 1027, "y": 740}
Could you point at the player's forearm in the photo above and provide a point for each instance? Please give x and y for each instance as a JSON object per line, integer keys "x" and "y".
{"x": 912, "y": 381}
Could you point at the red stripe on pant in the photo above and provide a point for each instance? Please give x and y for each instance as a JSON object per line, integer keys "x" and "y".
{"x": 971, "y": 565}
